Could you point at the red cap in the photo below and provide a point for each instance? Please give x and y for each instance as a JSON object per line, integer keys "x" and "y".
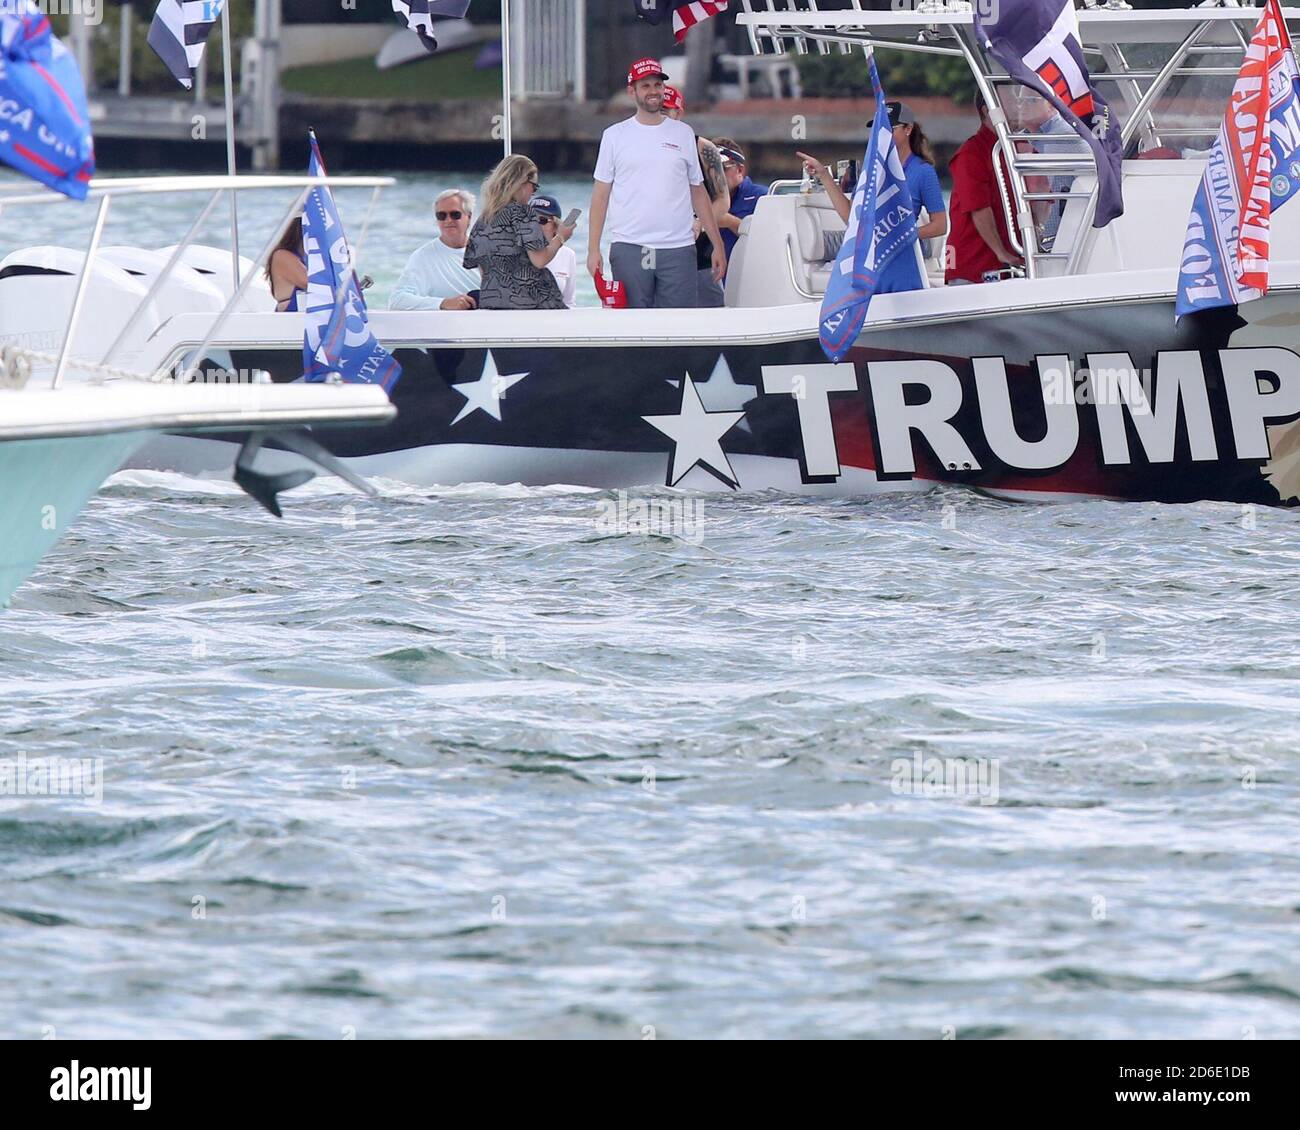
{"x": 645, "y": 68}
{"x": 612, "y": 294}
{"x": 673, "y": 99}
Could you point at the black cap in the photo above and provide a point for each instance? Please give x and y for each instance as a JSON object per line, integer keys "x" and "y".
{"x": 900, "y": 114}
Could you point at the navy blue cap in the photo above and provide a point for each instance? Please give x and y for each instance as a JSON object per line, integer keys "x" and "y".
{"x": 544, "y": 204}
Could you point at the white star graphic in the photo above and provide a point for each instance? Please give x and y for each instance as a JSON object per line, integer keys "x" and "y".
{"x": 485, "y": 393}
{"x": 721, "y": 393}
{"x": 697, "y": 434}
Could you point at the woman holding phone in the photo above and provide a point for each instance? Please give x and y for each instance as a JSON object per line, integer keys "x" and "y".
{"x": 508, "y": 246}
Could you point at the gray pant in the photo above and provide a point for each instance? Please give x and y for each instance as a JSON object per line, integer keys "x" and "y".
{"x": 654, "y": 276}
{"x": 710, "y": 292}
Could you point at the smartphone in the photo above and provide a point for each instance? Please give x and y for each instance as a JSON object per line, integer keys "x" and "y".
{"x": 572, "y": 218}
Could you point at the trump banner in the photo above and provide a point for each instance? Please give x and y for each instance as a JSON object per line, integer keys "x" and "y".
{"x": 880, "y": 252}
{"x": 44, "y": 119}
{"x": 337, "y": 342}
{"x": 1253, "y": 169}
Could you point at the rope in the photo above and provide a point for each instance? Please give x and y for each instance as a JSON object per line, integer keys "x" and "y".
{"x": 16, "y": 368}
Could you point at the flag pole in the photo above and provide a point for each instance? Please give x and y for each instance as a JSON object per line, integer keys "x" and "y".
{"x": 230, "y": 137}
{"x": 505, "y": 77}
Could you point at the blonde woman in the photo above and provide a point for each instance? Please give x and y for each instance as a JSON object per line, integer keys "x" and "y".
{"x": 508, "y": 246}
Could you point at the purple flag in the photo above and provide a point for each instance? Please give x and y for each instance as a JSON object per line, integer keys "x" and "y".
{"x": 1038, "y": 43}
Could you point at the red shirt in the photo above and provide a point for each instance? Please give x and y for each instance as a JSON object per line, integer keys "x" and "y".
{"x": 974, "y": 187}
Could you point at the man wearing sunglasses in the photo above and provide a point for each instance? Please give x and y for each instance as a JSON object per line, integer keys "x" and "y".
{"x": 435, "y": 277}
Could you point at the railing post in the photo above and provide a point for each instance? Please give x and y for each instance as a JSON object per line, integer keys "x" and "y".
{"x": 83, "y": 281}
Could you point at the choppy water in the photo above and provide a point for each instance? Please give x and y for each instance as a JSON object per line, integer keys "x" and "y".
{"x": 456, "y": 763}
{"x": 465, "y": 762}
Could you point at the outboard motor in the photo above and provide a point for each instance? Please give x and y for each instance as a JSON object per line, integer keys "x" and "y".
{"x": 213, "y": 263}
{"x": 37, "y": 288}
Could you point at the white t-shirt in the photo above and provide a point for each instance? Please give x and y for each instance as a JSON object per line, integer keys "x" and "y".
{"x": 652, "y": 169}
{"x": 565, "y": 269}
{"x": 433, "y": 272}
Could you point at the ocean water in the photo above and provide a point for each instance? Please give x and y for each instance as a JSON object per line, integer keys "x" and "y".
{"x": 461, "y": 762}
{"x": 475, "y": 762}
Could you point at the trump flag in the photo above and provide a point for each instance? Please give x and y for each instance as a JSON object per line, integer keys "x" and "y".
{"x": 1253, "y": 169}
{"x": 880, "y": 252}
{"x": 44, "y": 119}
{"x": 337, "y": 342}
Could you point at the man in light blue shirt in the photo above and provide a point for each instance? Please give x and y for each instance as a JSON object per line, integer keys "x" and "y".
{"x": 435, "y": 277}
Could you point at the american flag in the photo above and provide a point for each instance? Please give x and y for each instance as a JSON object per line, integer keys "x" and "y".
{"x": 419, "y": 15}
{"x": 179, "y": 33}
{"x": 686, "y": 13}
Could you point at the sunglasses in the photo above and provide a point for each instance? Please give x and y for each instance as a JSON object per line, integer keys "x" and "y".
{"x": 449, "y": 215}
{"x": 534, "y": 183}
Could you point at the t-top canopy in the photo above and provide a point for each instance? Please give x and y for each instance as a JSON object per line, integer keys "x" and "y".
{"x": 778, "y": 24}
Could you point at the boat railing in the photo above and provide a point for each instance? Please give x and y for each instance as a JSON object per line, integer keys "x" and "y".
{"x": 106, "y": 190}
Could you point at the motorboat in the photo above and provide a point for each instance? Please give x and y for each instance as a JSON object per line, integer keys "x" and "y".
{"x": 1075, "y": 380}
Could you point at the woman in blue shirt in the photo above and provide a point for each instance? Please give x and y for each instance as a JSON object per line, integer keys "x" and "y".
{"x": 917, "y": 158}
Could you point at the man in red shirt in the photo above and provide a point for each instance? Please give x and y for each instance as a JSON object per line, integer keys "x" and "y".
{"x": 979, "y": 240}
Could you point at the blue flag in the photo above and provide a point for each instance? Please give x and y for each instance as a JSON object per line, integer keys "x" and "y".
{"x": 337, "y": 340}
{"x": 1037, "y": 41}
{"x": 44, "y": 119}
{"x": 880, "y": 251}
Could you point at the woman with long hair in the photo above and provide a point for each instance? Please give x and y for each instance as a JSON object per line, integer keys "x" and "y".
{"x": 917, "y": 158}
{"x": 508, "y": 246}
{"x": 286, "y": 269}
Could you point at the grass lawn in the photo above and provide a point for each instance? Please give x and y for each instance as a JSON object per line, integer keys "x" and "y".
{"x": 439, "y": 76}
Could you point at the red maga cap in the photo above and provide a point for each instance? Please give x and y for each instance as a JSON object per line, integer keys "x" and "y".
{"x": 645, "y": 68}
{"x": 673, "y": 99}
{"x": 611, "y": 292}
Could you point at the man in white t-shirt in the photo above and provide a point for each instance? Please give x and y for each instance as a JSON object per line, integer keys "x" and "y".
{"x": 435, "y": 277}
{"x": 565, "y": 264}
{"x": 649, "y": 187}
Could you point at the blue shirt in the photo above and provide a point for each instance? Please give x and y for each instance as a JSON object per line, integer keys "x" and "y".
{"x": 743, "y": 202}
{"x": 923, "y": 183}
